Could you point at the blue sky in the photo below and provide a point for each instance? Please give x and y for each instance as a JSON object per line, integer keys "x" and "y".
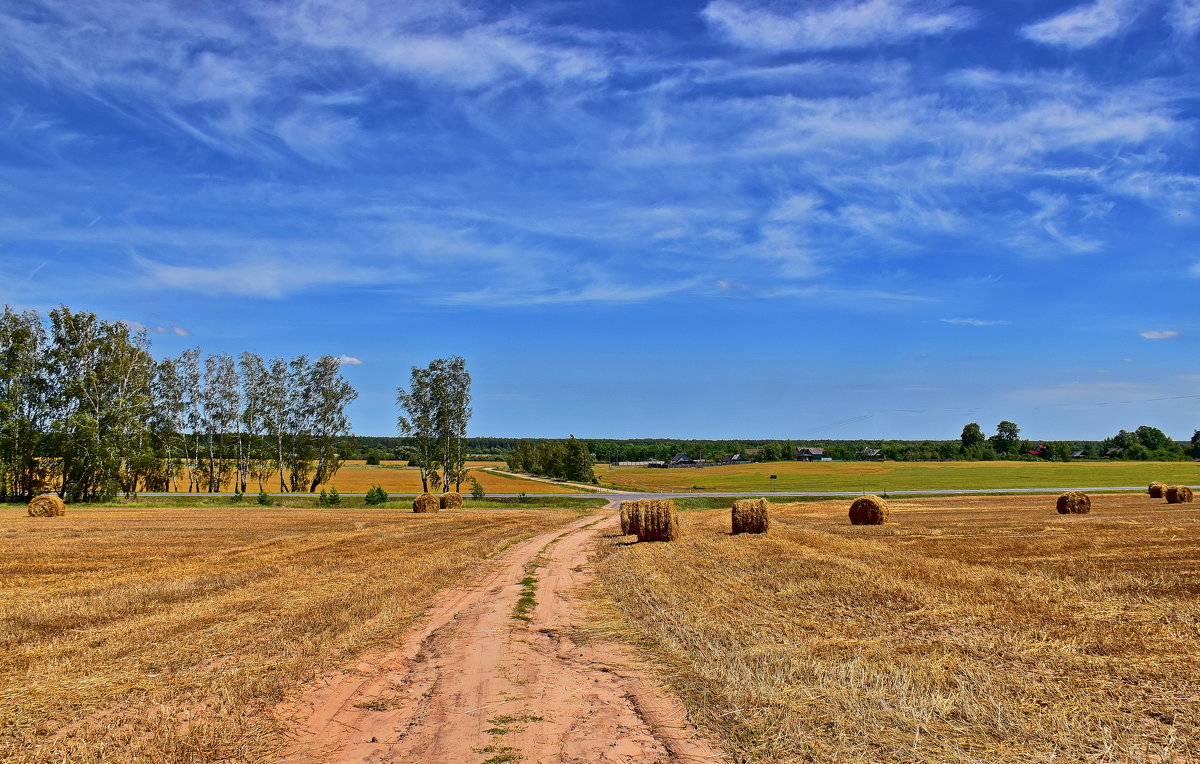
{"x": 865, "y": 218}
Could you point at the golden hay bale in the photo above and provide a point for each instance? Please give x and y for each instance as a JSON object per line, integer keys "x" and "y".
{"x": 427, "y": 502}
{"x": 1179, "y": 494}
{"x": 1074, "y": 503}
{"x": 868, "y": 510}
{"x": 47, "y": 505}
{"x": 658, "y": 520}
{"x": 1156, "y": 490}
{"x": 631, "y": 517}
{"x": 750, "y": 516}
{"x": 451, "y": 500}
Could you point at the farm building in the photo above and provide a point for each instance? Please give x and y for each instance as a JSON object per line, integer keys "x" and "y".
{"x": 1078, "y": 454}
{"x": 809, "y": 453}
{"x": 1114, "y": 453}
{"x": 737, "y": 459}
{"x": 682, "y": 460}
{"x": 870, "y": 453}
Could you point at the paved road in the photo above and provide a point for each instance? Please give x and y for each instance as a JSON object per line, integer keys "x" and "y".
{"x": 249, "y": 497}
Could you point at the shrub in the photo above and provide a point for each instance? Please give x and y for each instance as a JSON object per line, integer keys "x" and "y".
{"x": 376, "y": 496}
{"x": 264, "y": 499}
{"x": 476, "y": 489}
{"x": 323, "y": 499}
{"x": 237, "y": 497}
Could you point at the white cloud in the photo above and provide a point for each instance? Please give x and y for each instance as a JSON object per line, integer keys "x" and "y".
{"x": 847, "y": 24}
{"x": 138, "y": 326}
{"x": 1195, "y": 271}
{"x": 348, "y": 360}
{"x": 971, "y": 322}
{"x": 1160, "y": 335}
{"x": 1083, "y": 25}
{"x": 1184, "y": 15}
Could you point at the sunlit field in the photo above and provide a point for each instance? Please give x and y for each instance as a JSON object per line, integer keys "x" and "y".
{"x": 966, "y": 630}
{"x": 394, "y": 478}
{"x": 897, "y": 476}
{"x": 159, "y": 635}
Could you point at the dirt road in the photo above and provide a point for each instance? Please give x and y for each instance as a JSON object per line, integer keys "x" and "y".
{"x": 475, "y": 684}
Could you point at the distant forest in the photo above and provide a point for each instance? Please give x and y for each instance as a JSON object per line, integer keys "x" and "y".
{"x": 606, "y": 450}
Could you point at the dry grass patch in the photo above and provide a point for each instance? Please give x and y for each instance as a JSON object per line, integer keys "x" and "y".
{"x": 167, "y": 635}
{"x": 971, "y": 630}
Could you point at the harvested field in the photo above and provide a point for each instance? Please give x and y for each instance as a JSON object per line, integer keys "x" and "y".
{"x": 167, "y": 635}
{"x": 358, "y": 478}
{"x": 983, "y": 629}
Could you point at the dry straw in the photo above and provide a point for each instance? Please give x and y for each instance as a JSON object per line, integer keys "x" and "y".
{"x": 868, "y": 510}
{"x": 1074, "y": 503}
{"x": 658, "y": 520}
{"x": 1179, "y": 494}
{"x": 427, "y": 502}
{"x": 750, "y": 516}
{"x": 47, "y": 505}
{"x": 631, "y": 517}
{"x": 451, "y": 500}
{"x": 1156, "y": 490}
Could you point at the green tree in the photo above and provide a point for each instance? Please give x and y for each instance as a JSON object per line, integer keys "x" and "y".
{"x": 1007, "y": 439}
{"x": 1196, "y": 444}
{"x": 1153, "y": 438}
{"x": 435, "y": 410}
{"x": 972, "y": 435}
{"x": 24, "y": 405}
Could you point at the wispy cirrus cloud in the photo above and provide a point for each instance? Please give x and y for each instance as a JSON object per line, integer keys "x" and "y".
{"x": 971, "y": 322}
{"x": 348, "y": 360}
{"x": 847, "y": 24}
{"x": 1084, "y": 25}
{"x": 1166, "y": 334}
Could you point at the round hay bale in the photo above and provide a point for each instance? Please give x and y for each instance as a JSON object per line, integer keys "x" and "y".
{"x": 427, "y": 502}
{"x": 868, "y": 510}
{"x": 631, "y": 513}
{"x": 658, "y": 520}
{"x": 750, "y": 516}
{"x": 451, "y": 500}
{"x": 1156, "y": 490}
{"x": 1074, "y": 503}
{"x": 47, "y": 505}
{"x": 1179, "y": 494}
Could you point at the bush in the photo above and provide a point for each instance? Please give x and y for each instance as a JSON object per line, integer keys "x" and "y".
{"x": 376, "y": 496}
{"x": 264, "y": 499}
{"x": 330, "y": 498}
{"x": 373, "y": 458}
{"x": 238, "y": 496}
{"x": 476, "y": 490}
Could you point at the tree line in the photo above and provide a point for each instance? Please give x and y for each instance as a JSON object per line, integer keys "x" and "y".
{"x": 87, "y": 411}
{"x": 561, "y": 459}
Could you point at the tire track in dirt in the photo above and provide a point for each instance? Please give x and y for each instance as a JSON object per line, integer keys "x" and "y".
{"x": 473, "y": 684}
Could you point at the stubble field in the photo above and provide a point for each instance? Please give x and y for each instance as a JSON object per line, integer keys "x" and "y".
{"x": 155, "y": 635}
{"x": 985, "y": 629}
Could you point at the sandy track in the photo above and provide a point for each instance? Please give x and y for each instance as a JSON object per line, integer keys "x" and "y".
{"x": 472, "y": 684}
